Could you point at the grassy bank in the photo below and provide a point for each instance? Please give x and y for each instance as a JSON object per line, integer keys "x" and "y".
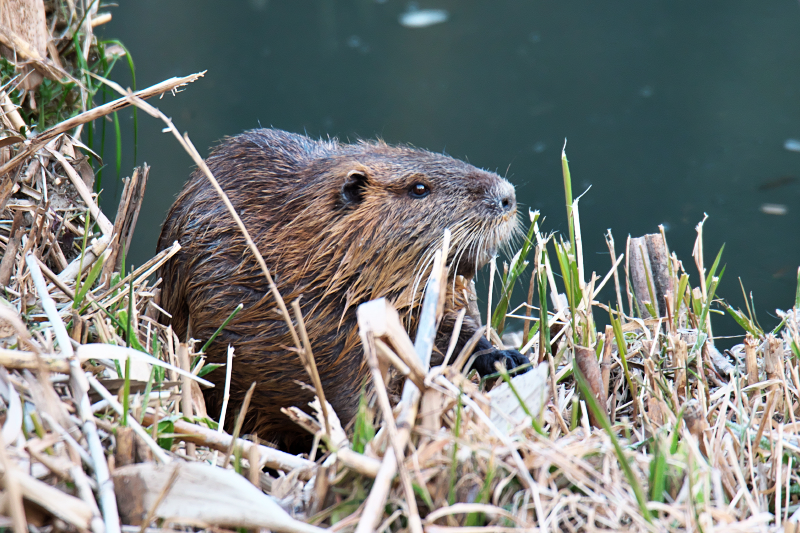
{"x": 639, "y": 425}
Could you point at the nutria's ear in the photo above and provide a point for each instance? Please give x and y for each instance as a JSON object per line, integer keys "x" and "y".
{"x": 353, "y": 188}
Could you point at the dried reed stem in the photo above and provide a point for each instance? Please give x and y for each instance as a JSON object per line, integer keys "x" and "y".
{"x": 87, "y": 116}
{"x": 186, "y": 392}
{"x": 414, "y": 522}
{"x": 79, "y": 385}
{"x": 219, "y": 441}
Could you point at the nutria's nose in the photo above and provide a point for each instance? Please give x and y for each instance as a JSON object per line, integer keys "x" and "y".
{"x": 505, "y": 197}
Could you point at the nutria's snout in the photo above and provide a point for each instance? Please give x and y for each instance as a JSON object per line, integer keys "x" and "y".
{"x": 502, "y": 198}
{"x": 493, "y": 230}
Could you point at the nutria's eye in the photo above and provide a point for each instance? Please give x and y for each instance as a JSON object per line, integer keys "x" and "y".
{"x": 419, "y": 190}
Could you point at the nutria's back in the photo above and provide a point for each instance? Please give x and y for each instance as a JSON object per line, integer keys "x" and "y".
{"x": 338, "y": 225}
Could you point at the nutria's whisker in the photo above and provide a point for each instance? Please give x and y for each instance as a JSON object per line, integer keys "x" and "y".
{"x": 420, "y": 274}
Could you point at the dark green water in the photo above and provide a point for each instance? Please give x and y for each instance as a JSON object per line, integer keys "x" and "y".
{"x": 672, "y": 108}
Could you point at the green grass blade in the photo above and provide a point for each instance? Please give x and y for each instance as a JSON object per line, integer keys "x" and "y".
{"x": 363, "y": 429}
{"x": 673, "y": 447}
{"x": 745, "y": 323}
{"x": 714, "y": 266}
{"x": 132, "y": 68}
{"x": 106, "y": 69}
{"x": 658, "y": 477}
{"x": 712, "y": 290}
{"x": 126, "y": 392}
{"x": 118, "y": 137}
{"x": 477, "y": 519}
{"x": 573, "y": 422}
{"x": 207, "y": 369}
{"x": 650, "y": 306}
{"x": 533, "y": 331}
{"x": 451, "y": 493}
{"x": 90, "y": 279}
{"x": 682, "y": 284}
{"x": 566, "y": 274}
{"x": 129, "y": 330}
{"x": 746, "y": 303}
{"x": 86, "y": 12}
{"x": 616, "y": 324}
{"x": 147, "y": 390}
{"x": 568, "y": 193}
{"x": 219, "y": 329}
{"x": 797, "y": 296}
{"x": 518, "y": 265}
{"x": 422, "y": 492}
{"x": 755, "y": 315}
{"x": 83, "y": 249}
{"x": 544, "y": 327}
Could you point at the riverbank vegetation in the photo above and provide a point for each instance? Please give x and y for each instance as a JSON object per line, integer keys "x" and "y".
{"x": 640, "y": 425}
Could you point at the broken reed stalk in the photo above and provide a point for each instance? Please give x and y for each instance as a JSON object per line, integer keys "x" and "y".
{"x": 642, "y": 279}
{"x": 750, "y": 360}
{"x": 80, "y": 388}
{"x": 32, "y": 361}
{"x": 526, "y": 324}
{"x": 454, "y": 339}
{"x": 426, "y": 334}
{"x": 460, "y": 364}
{"x": 130, "y": 204}
{"x": 186, "y": 392}
{"x": 68, "y": 508}
{"x": 414, "y": 522}
{"x": 254, "y": 467}
{"x": 226, "y": 396}
{"x": 680, "y": 357}
{"x": 773, "y": 368}
{"x": 586, "y": 362}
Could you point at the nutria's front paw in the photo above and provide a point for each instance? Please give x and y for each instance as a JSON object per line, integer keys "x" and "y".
{"x": 485, "y": 363}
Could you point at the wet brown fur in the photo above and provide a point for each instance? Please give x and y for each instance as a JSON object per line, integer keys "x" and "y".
{"x": 337, "y": 227}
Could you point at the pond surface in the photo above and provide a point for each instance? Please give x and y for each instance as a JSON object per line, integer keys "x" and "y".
{"x": 672, "y": 108}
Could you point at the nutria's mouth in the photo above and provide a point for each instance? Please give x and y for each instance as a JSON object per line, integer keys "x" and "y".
{"x": 473, "y": 244}
{"x": 478, "y": 248}
{"x": 468, "y": 265}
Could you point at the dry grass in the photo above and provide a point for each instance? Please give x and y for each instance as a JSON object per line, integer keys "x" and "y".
{"x": 642, "y": 425}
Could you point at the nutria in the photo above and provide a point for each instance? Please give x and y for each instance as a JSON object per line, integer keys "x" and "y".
{"x": 338, "y": 224}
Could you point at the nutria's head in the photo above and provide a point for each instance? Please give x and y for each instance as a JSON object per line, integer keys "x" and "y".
{"x": 386, "y": 208}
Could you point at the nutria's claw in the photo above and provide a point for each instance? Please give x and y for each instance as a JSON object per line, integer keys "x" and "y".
{"x": 485, "y": 362}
